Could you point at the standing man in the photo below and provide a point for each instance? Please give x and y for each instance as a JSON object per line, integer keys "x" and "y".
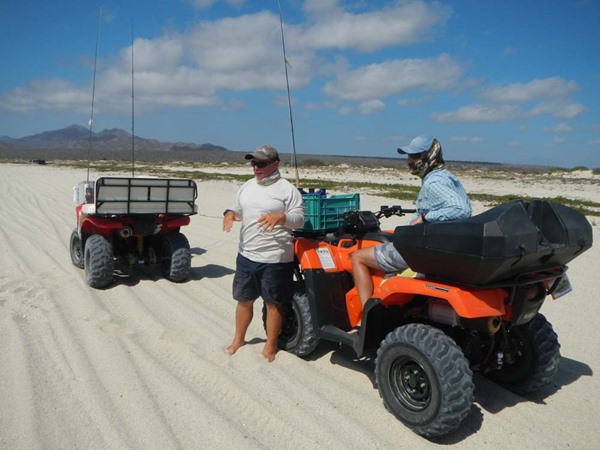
{"x": 442, "y": 197}
{"x": 269, "y": 208}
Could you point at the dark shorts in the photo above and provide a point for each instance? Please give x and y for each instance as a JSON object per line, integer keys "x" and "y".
{"x": 271, "y": 281}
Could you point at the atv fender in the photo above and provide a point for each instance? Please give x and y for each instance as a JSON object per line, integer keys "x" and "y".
{"x": 467, "y": 302}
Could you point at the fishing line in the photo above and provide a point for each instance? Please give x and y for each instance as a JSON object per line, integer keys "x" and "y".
{"x": 91, "y": 122}
{"x": 287, "y": 82}
{"x": 132, "y": 110}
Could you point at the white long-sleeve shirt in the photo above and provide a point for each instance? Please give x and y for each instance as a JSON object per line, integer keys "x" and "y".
{"x": 252, "y": 201}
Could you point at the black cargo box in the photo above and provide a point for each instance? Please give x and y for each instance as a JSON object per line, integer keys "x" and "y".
{"x": 498, "y": 244}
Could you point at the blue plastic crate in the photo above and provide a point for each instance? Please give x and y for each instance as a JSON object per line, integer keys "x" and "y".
{"x": 326, "y": 214}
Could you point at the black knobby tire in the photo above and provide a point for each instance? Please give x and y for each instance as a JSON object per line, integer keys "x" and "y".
{"x": 535, "y": 357}
{"x": 98, "y": 261}
{"x": 424, "y": 379}
{"x": 298, "y": 334}
{"x": 76, "y": 249}
{"x": 176, "y": 257}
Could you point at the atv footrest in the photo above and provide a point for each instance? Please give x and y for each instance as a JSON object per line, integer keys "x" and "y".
{"x": 336, "y": 334}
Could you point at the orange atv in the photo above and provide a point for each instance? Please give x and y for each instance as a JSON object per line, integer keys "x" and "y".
{"x": 470, "y": 303}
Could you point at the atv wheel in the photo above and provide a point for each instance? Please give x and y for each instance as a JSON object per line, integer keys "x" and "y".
{"x": 424, "y": 379}
{"x": 76, "y": 249}
{"x": 534, "y": 354}
{"x": 98, "y": 261}
{"x": 176, "y": 259}
{"x": 298, "y": 334}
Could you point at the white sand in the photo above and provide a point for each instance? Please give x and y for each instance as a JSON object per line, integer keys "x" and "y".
{"x": 142, "y": 363}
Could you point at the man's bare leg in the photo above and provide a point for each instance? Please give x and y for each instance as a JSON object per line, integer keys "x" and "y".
{"x": 362, "y": 260}
{"x": 274, "y": 323}
{"x": 243, "y": 316}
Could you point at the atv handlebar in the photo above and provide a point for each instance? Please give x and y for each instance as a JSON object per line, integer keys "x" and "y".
{"x": 360, "y": 222}
{"x": 395, "y": 210}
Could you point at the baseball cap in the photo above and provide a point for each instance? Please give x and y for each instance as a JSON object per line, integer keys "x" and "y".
{"x": 419, "y": 144}
{"x": 264, "y": 153}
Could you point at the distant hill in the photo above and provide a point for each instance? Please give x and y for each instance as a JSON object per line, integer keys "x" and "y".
{"x": 77, "y": 136}
{"x": 73, "y": 143}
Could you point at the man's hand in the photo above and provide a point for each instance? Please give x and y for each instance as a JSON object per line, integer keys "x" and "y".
{"x": 417, "y": 220}
{"x": 228, "y": 220}
{"x": 269, "y": 220}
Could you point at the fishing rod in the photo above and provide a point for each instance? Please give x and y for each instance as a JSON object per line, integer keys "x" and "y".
{"x": 91, "y": 121}
{"x": 132, "y": 110}
{"x": 287, "y": 82}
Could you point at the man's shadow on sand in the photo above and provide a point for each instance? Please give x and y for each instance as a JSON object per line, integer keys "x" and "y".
{"x": 209, "y": 270}
{"x": 488, "y": 395}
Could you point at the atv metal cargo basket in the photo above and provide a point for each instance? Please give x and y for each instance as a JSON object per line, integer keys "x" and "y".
{"x": 326, "y": 214}
{"x": 122, "y": 196}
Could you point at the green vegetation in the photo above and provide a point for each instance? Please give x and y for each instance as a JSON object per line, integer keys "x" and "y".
{"x": 397, "y": 192}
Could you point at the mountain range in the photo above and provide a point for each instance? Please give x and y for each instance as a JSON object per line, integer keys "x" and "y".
{"x": 74, "y": 140}
{"x": 74, "y": 143}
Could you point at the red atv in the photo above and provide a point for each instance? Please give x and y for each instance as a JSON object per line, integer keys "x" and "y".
{"x": 471, "y": 303}
{"x": 126, "y": 221}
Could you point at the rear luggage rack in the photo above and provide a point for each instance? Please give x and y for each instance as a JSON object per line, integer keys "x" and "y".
{"x": 125, "y": 195}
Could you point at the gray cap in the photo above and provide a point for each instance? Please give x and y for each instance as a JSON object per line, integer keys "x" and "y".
{"x": 264, "y": 153}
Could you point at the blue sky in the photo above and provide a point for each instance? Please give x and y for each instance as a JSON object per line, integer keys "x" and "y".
{"x": 501, "y": 81}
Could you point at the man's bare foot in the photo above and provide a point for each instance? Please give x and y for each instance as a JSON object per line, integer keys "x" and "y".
{"x": 234, "y": 347}
{"x": 269, "y": 354}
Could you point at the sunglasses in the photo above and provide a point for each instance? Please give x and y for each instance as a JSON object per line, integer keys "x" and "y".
{"x": 414, "y": 155}
{"x": 261, "y": 164}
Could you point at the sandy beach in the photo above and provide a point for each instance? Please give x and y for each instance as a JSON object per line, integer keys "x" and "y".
{"x": 142, "y": 365}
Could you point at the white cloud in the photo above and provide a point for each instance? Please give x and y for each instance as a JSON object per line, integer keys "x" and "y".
{"x": 201, "y": 4}
{"x": 371, "y": 107}
{"x": 413, "y": 101}
{"x": 404, "y": 23}
{"x": 244, "y": 53}
{"x": 560, "y": 110}
{"x": 479, "y": 113}
{"x": 549, "y": 96}
{"x": 534, "y": 90}
{"x": 466, "y": 139}
{"x": 561, "y": 128}
{"x": 162, "y": 55}
{"x": 50, "y": 95}
{"x": 393, "y": 77}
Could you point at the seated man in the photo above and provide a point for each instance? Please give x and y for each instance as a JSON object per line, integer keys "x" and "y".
{"x": 441, "y": 197}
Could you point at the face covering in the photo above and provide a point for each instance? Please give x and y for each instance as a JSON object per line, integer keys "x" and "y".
{"x": 430, "y": 160}
{"x": 267, "y": 181}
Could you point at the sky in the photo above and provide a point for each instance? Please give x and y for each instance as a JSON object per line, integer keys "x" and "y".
{"x": 513, "y": 81}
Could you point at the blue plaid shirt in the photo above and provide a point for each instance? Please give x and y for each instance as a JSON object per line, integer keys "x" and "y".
{"x": 442, "y": 197}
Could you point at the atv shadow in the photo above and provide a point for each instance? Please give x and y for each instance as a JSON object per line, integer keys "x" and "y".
{"x": 344, "y": 356}
{"x": 131, "y": 276}
{"x": 197, "y": 251}
{"x": 494, "y": 398}
{"x": 488, "y": 395}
